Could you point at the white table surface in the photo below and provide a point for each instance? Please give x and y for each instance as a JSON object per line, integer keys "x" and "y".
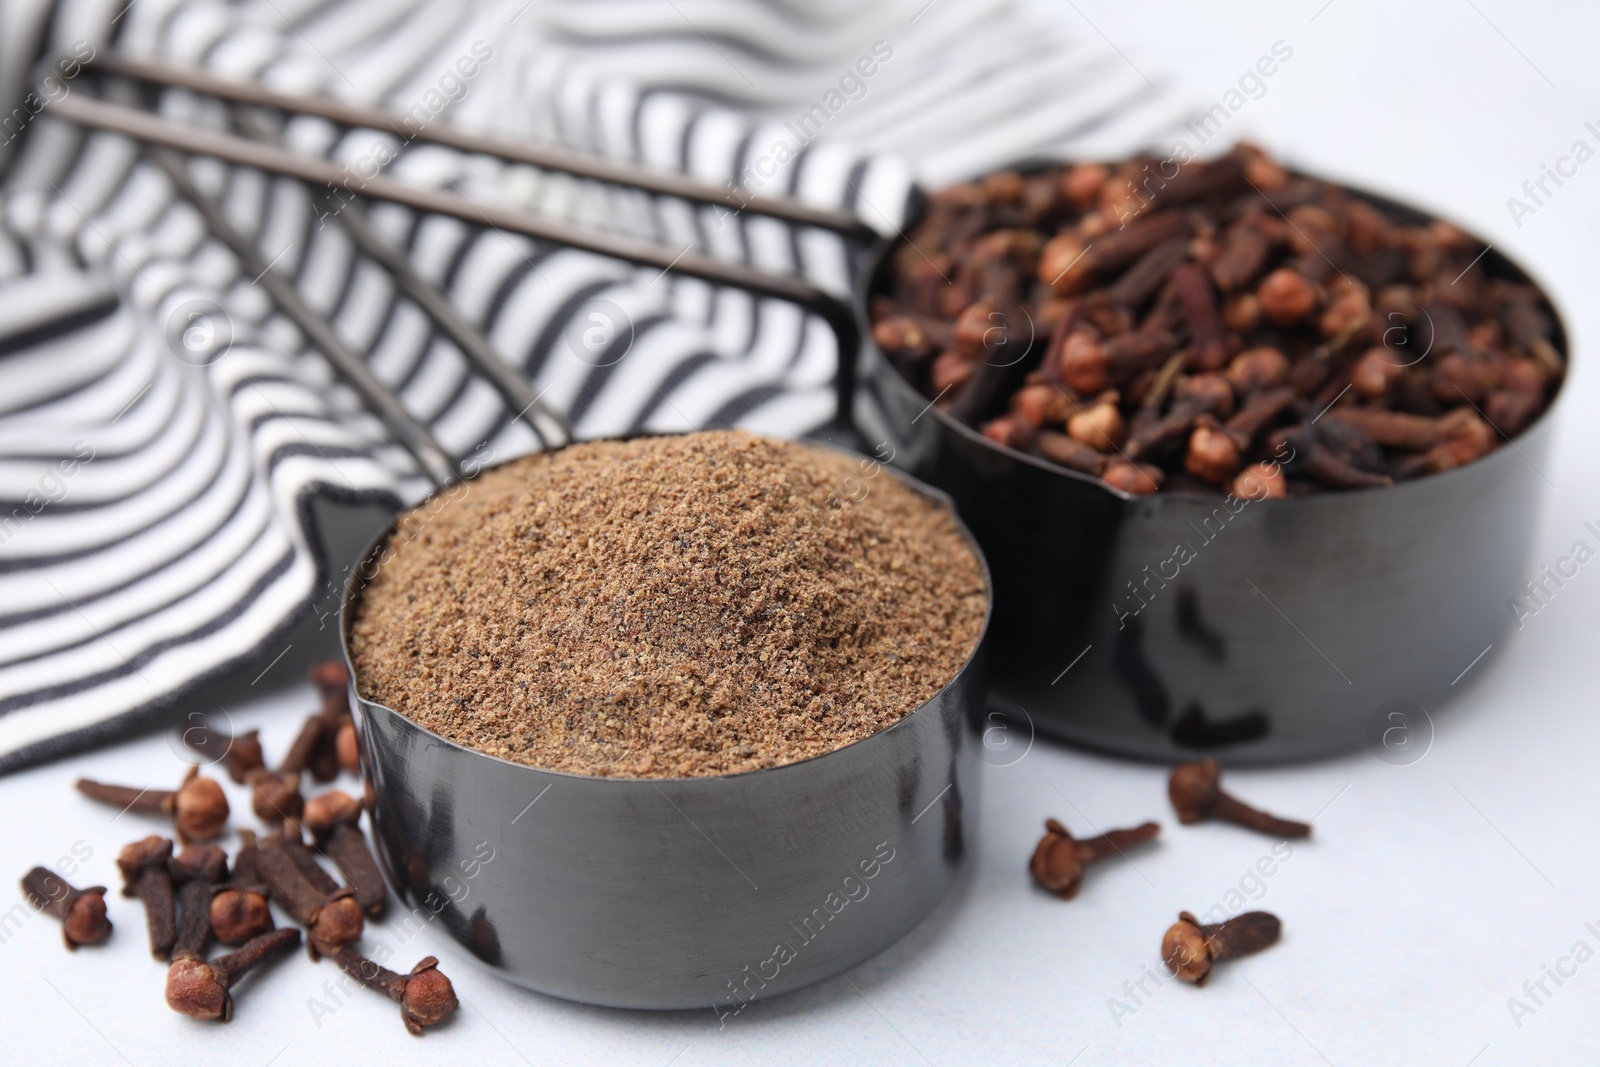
{"x": 1430, "y": 893}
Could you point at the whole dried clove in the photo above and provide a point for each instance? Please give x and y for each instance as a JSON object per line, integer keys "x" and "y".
{"x": 196, "y": 870}
{"x": 198, "y": 808}
{"x": 1258, "y": 369}
{"x": 1074, "y": 455}
{"x": 1197, "y": 795}
{"x": 207, "y": 863}
{"x": 332, "y": 920}
{"x": 1089, "y": 365}
{"x": 239, "y": 909}
{"x": 1059, "y": 859}
{"x": 144, "y": 875}
{"x": 1190, "y": 294}
{"x": 1321, "y": 463}
{"x": 332, "y": 819}
{"x": 1202, "y": 394}
{"x": 200, "y": 990}
{"x": 1260, "y": 481}
{"x": 82, "y": 911}
{"x": 1149, "y": 272}
{"x": 332, "y": 680}
{"x": 981, "y": 390}
{"x": 1191, "y": 947}
{"x": 304, "y": 747}
{"x": 305, "y": 858}
{"x": 1069, "y": 262}
{"x": 239, "y": 754}
{"x": 1396, "y": 429}
{"x": 1214, "y": 455}
{"x": 275, "y": 796}
{"x": 425, "y": 995}
{"x": 1139, "y": 479}
{"x": 1286, "y": 296}
{"x": 1100, "y": 426}
{"x": 1242, "y": 255}
{"x": 916, "y": 336}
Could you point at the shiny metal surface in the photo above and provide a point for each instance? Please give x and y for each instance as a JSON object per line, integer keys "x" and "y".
{"x": 1292, "y": 626}
{"x": 677, "y": 893}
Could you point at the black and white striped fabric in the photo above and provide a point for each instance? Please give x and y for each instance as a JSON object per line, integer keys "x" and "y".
{"x": 156, "y": 461}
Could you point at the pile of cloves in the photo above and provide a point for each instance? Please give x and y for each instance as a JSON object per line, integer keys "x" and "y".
{"x": 1221, "y": 326}
{"x": 1189, "y": 947}
{"x": 192, "y": 898}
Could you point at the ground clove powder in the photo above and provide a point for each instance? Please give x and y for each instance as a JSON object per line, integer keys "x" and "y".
{"x": 671, "y": 606}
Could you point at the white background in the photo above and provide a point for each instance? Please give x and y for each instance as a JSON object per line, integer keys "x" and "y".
{"x": 1430, "y": 892}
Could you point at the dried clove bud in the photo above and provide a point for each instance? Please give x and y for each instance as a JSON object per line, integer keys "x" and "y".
{"x": 200, "y": 990}
{"x": 1139, "y": 479}
{"x": 1070, "y": 453}
{"x": 1190, "y": 947}
{"x": 425, "y": 996}
{"x": 1100, "y": 426}
{"x": 1090, "y": 366}
{"x": 198, "y": 808}
{"x": 1322, "y": 464}
{"x": 196, "y": 870}
{"x": 1260, "y": 481}
{"x": 1256, "y": 369}
{"x": 1197, "y": 795}
{"x": 239, "y": 909}
{"x": 332, "y": 920}
{"x": 332, "y": 820}
{"x": 238, "y": 753}
{"x": 1213, "y": 455}
{"x": 332, "y": 680}
{"x": 275, "y": 795}
{"x": 1059, "y": 859}
{"x": 304, "y": 746}
{"x": 144, "y": 875}
{"x": 82, "y": 911}
{"x": 1286, "y": 297}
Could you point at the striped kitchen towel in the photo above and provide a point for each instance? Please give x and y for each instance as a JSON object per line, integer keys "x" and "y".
{"x": 163, "y": 428}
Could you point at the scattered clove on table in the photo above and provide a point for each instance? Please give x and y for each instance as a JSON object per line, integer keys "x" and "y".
{"x": 337, "y": 748}
{"x": 332, "y": 919}
{"x": 425, "y": 995}
{"x": 1059, "y": 859}
{"x": 82, "y": 911}
{"x": 239, "y": 908}
{"x": 275, "y": 795}
{"x": 200, "y": 989}
{"x": 333, "y": 821}
{"x": 1190, "y": 947}
{"x": 1197, "y": 795}
{"x": 198, "y": 808}
{"x": 145, "y": 875}
{"x": 239, "y": 754}
{"x": 195, "y": 871}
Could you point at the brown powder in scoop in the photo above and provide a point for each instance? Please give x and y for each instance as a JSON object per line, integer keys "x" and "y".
{"x": 670, "y": 606}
